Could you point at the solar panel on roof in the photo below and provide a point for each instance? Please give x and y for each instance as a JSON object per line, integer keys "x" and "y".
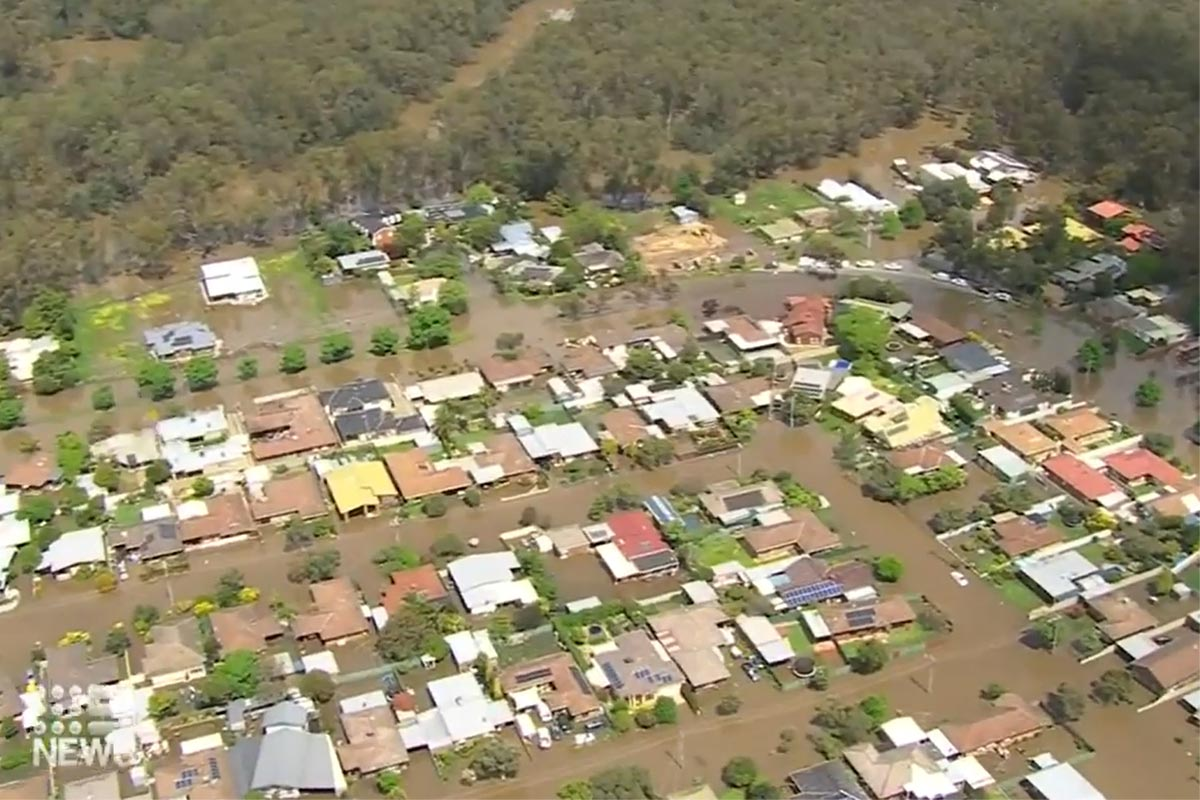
{"x": 641, "y": 673}
{"x": 811, "y": 594}
{"x": 744, "y": 500}
{"x": 214, "y": 770}
{"x": 534, "y": 675}
{"x": 861, "y": 617}
{"x": 613, "y": 678}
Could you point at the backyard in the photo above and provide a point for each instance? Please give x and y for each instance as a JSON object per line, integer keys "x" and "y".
{"x": 766, "y": 202}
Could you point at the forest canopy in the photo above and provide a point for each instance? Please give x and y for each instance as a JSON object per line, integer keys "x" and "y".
{"x": 244, "y": 120}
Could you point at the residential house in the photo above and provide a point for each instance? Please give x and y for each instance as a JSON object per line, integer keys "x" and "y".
{"x": 554, "y": 442}
{"x": 586, "y": 362}
{"x": 1024, "y": 439}
{"x": 973, "y": 360}
{"x": 744, "y": 334}
{"x": 1118, "y": 615}
{"x": 828, "y": 780}
{"x": 499, "y": 458}
{"x": 553, "y": 681}
{"x": 857, "y": 401}
{"x": 627, "y": 427}
{"x": 1019, "y": 535}
{"x": 1184, "y": 504}
{"x": 731, "y": 503}
{"x": 518, "y": 237}
{"x": 423, "y": 582}
{"x": 180, "y": 340}
{"x": 454, "y": 211}
{"x": 199, "y": 442}
{"x": 238, "y": 282}
{"x": 286, "y": 760}
{"x": 1135, "y": 235}
{"x": 863, "y": 619}
{"x": 1081, "y": 275}
{"x": 148, "y": 540}
{"x": 201, "y": 775}
{"x": 175, "y": 653}
{"x": 816, "y": 382}
{"x": 637, "y": 549}
{"x": 1112, "y": 310}
{"x": 377, "y": 225}
{"x": 1003, "y": 463}
{"x": 1057, "y": 577}
{"x": 639, "y": 670}
{"x": 533, "y": 273}
{"x": 924, "y": 458}
{"x": 770, "y": 645}
{"x": 288, "y": 424}
{"x": 469, "y": 648}
{"x": 105, "y": 786}
{"x": 1174, "y": 664}
{"x": 220, "y": 519}
{"x": 908, "y": 424}
{"x": 596, "y": 258}
{"x": 487, "y": 581}
{"x": 665, "y": 341}
{"x": 21, "y": 354}
{"x": 461, "y": 713}
{"x": 1106, "y": 210}
{"x": 66, "y": 554}
{"x": 1008, "y": 396}
{"x": 448, "y": 387}
{"x": 1140, "y": 467}
{"x": 780, "y": 231}
{"x": 1080, "y": 429}
{"x": 684, "y": 215}
{"x": 336, "y": 615}
{"x": 938, "y": 332}
{"x": 908, "y": 771}
{"x": 1083, "y": 482}
{"x": 748, "y": 394}
{"x": 293, "y": 495}
{"x": 1158, "y": 330}
{"x": 71, "y": 665}
{"x": 358, "y": 394}
{"x": 680, "y": 409}
{"x": 131, "y": 449}
{"x": 251, "y": 627}
{"x": 1012, "y": 720}
{"x": 417, "y": 477}
{"x": 369, "y": 410}
{"x": 807, "y": 580}
{"x": 1061, "y": 782}
{"x": 693, "y": 637}
{"x": 360, "y": 488}
{"x": 373, "y": 742}
{"x": 363, "y": 262}
{"x": 36, "y": 471}
{"x": 504, "y": 374}
{"x": 800, "y": 529}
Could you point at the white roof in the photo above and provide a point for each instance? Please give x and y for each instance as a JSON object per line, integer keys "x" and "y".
{"x": 363, "y": 702}
{"x": 7, "y": 554}
{"x": 766, "y": 639}
{"x": 699, "y": 592}
{"x": 1137, "y": 646}
{"x": 680, "y": 408}
{"x": 157, "y": 512}
{"x": 913, "y": 331}
{"x": 1063, "y": 782}
{"x": 1005, "y": 461}
{"x": 485, "y": 581}
{"x": 14, "y": 532}
{"x": 199, "y": 744}
{"x": 902, "y": 731}
{"x": 450, "y": 387}
{"x": 815, "y": 624}
{"x": 942, "y": 743}
{"x": 1057, "y": 574}
{"x": 324, "y": 661}
{"x": 853, "y": 197}
{"x": 185, "y": 459}
{"x": 814, "y": 377}
{"x": 968, "y": 770}
{"x": 557, "y": 440}
{"x": 615, "y": 561}
{"x": 198, "y": 424}
{"x": 468, "y": 646}
{"x": 239, "y": 276}
{"x": 525, "y": 698}
{"x": 583, "y": 604}
{"x": 73, "y": 549}
{"x": 1192, "y": 700}
{"x": 461, "y": 713}
{"x": 10, "y": 503}
{"x": 23, "y": 353}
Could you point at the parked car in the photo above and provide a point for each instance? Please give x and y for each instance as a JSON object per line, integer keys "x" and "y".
{"x": 595, "y": 724}
{"x": 961, "y": 282}
{"x": 959, "y": 578}
{"x": 1003, "y": 297}
{"x": 893, "y": 266}
{"x": 750, "y": 671}
{"x": 736, "y": 652}
{"x": 941, "y": 276}
{"x": 543, "y": 738}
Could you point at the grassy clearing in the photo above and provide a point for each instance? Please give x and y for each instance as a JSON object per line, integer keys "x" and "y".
{"x": 798, "y": 640}
{"x": 767, "y": 201}
{"x": 1017, "y": 593}
{"x": 717, "y": 548}
{"x": 105, "y": 327}
{"x": 1068, "y": 531}
{"x": 1094, "y": 551}
{"x": 907, "y": 636}
{"x": 288, "y": 269}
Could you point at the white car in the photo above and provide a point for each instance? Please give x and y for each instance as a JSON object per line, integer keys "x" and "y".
{"x": 1003, "y": 297}
{"x": 961, "y": 282}
{"x": 959, "y": 578}
{"x": 864, "y": 264}
{"x": 893, "y": 266}
{"x": 941, "y": 276}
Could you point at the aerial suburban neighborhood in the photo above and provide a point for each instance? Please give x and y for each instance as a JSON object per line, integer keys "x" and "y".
{"x": 863, "y": 473}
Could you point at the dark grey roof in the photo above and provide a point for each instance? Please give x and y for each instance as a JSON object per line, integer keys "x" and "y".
{"x": 1008, "y": 393}
{"x": 286, "y": 758}
{"x": 285, "y": 713}
{"x": 354, "y": 396}
{"x": 452, "y": 211}
{"x": 151, "y": 539}
{"x": 375, "y": 220}
{"x": 656, "y": 561}
{"x": 968, "y": 357}
{"x": 595, "y": 257}
{"x": 374, "y": 422}
{"x": 179, "y": 337}
{"x": 71, "y": 665}
{"x": 826, "y": 781}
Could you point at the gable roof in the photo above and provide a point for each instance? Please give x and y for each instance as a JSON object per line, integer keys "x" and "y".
{"x": 804, "y": 530}
{"x": 969, "y": 357}
{"x": 1174, "y": 663}
{"x": 247, "y": 627}
{"x": 296, "y": 493}
{"x": 286, "y": 758}
{"x": 169, "y": 340}
{"x": 635, "y": 536}
{"x": 174, "y": 647}
{"x": 34, "y": 472}
{"x": 1088, "y": 483}
{"x": 923, "y": 457}
{"x": 1020, "y": 535}
{"x": 228, "y": 514}
{"x": 422, "y": 581}
{"x": 336, "y": 612}
{"x": 71, "y": 665}
{"x": 749, "y": 393}
{"x": 942, "y": 333}
{"x": 416, "y": 476}
{"x": 1012, "y": 717}
{"x": 1140, "y": 463}
{"x": 625, "y": 425}
{"x": 359, "y": 484}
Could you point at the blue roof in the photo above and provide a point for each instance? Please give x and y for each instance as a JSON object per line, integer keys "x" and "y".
{"x": 661, "y": 509}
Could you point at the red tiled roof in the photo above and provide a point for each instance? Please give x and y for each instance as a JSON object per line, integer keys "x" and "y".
{"x": 942, "y": 333}
{"x": 1139, "y": 463}
{"x": 1138, "y": 230}
{"x": 422, "y": 581}
{"x": 804, "y": 316}
{"x": 635, "y": 535}
{"x": 32, "y": 473}
{"x": 1077, "y": 476}
{"x": 1108, "y": 209}
{"x": 923, "y": 457}
{"x": 1021, "y": 535}
{"x": 1130, "y": 244}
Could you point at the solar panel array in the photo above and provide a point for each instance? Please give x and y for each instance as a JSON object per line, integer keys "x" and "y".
{"x": 214, "y": 770}
{"x": 539, "y": 674}
{"x": 861, "y": 617}
{"x": 187, "y": 777}
{"x": 812, "y": 593}
{"x": 614, "y": 679}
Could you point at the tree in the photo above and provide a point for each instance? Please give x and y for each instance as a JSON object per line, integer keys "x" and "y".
{"x": 871, "y": 657}
{"x": 395, "y": 558}
{"x": 388, "y": 784}
{"x": 912, "y": 213}
{"x": 1161, "y": 444}
{"x": 71, "y": 455}
{"x": 247, "y": 368}
{"x": 155, "y": 380}
{"x": 729, "y": 705}
{"x": 876, "y": 708}
{"x": 145, "y": 617}
{"x": 236, "y": 676}
{"x": 117, "y": 640}
{"x": 643, "y": 365}
{"x": 763, "y": 790}
{"x": 428, "y": 328}
{"x": 293, "y": 359}
{"x": 890, "y": 226}
{"x": 434, "y": 506}
{"x": 162, "y": 705}
{"x": 1043, "y": 634}
{"x": 453, "y": 297}
{"x": 336, "y": 347}
{"x": 102, "y": 398}
{"x": 1148, "y": 393}
{"x": 888, "y": 569}
{"x": 575, "y": 790}
{"x": 494, "y": 759}
{"x": 739, "y": 772}
{"x": 56, "y": 370}
{"x": 653, "y": 452}
{"x": 12, "y": 413}
{"x": 1113, "y": 688}
{"x": 509, "y": 341}
{"x": 666, "y": 711}
{"x": 1065, "y": 704}
{"x": 200, "y": 373}
{"x": 416, "y": 628}
{"x": 158, "y": 472}
{"x": 202, "y": 487}
{"x": 105, "y": 476}
{"x": 645, "y": 719}
{"x": 229, "y": 587}
{"x": 447, "y": 546}
{"x": 860, "y": 333}
{"x": 316, "y": 567}
{"x": 318, "y": 685}
{"x": 1089, "y": 358}
{"x": 384, "y": 342}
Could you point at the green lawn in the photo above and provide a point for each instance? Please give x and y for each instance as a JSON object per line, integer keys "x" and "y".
{"x": 766, "y": 201}
{"x": 289, "y": 268}
{"x": 907, "y": 636}
{"x": 798, "y": 640}
{"x": 1191, "y": 577}
{"x": 1068, "y": 531}
{"x": 730, "y": 793}
{"x": 717, "y": 548}
{"x": 1017, "y": 593}
{"x": 1094, "y": 551}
